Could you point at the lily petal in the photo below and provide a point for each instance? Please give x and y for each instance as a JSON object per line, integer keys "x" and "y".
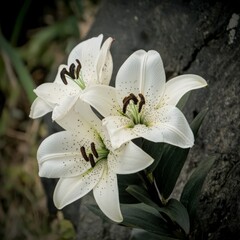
{"x": 39, "y": 108}
{"x": 178, "y": 86}
{"x": 119, "y": 129}
{"x": 54, "y": 92}
{"x": 69, "y": 190}
{"x": 102, "y": 98}
{"x": 80, "y": 116}
{"x": 168, "y": 125}
{"x": 142, "y": 72}
{"x": 106, "y": 196}
{"x": 129, "y": 159}
{"x": 105, "y": 63}
{"x": 59, "y": 154}
{"x": 64, "y": 107}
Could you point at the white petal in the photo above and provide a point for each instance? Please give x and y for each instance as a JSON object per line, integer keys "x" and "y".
{"x": 106, "y": 196}
{"x": 54, "y": 92}
{"x": 105, "y": 63}
{"x": 120, "y": 130}
{"x": 80, "y": 116}
{"x": 39, "y": 108}
{"x": 102, "y": 98}
{"x": 178, "y": 86}
{"x": 168, "y": 125}
{"x": 69, "y": 190}
{"x": 87, "y": 53}
{"x": 142, "y": 72}
{"x": 59, "y": 155}
{"x": 129, "y": 159}
{"x": 64, "y": 107}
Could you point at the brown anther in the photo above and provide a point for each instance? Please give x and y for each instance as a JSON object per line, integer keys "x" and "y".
{"x": 62, "y": 75}
{"x": 141, "y": 103}
{"x": 94, "y": 151}
{"x": 134, "y": 98}
{"x": 126, "y": 101}
{"x": 83, "y": 152}
{"x": 72, "y": 71}
{"x": 79, "y": 66}
{"x": 91, "y": 159}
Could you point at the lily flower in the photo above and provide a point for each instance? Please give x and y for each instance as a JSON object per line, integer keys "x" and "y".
{"x": 88, "y": 64}
{"x": 84, "y": 160}
{"x": 143, "y": 104}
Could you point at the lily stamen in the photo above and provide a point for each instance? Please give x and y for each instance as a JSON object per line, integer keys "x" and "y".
{"x": 94, "y": 151}
{"x": 92, "y": 162}
{"x": 141, "y": 103}
{"x": 62, "y": 75}
{"x": 72, "y": 71}
{"x": 79, "y": 66}
{"x": 83, "y": 152}
{"x": 127, "y": 100}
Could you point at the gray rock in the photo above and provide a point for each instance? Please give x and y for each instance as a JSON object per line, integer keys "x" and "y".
{"x": 199, "y": 37}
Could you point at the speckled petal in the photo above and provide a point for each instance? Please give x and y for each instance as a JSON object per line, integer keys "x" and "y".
{"x": 39, "y": 108}
{"x": 105, "y": 63}
{"x": 54, "y": 93}
{"x": 64, "y": 107}
{"x": 142, "y": 72}
{"x": 178, "y": 86}
{"x": 119, "y": 129}
{"x": 71, "y": 189}
{"x": 103, "y": 99}
{"x": 128, "y": 159}
{"x": 59, "y": 155}
{"x": 168, "y": 125}
{"x": 106, "y": 196}
{"x": 87, "y": 53}
{"x": 80, "y": 116}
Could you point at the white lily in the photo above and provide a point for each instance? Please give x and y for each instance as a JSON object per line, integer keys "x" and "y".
{"x": 84, "y": 160}
{"x": 88, "y": 64}
{"x": 143, "y": 104}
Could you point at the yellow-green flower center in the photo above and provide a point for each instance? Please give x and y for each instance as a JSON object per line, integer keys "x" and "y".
{"x": 94, "y": 155}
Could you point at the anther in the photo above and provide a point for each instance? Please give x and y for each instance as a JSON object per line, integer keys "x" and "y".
{"x": 83, "y": 151}
{"x": 62, "y": 75}
{"x": 92, "y": 162}
{"x": 72, "y": 71}
{"x": 141, "y": 103}
{"x": 134, "y": 98}
{"x": 94, "y": 151}
{"x": 79, "y": 66}
{"x": 126, "y": 101}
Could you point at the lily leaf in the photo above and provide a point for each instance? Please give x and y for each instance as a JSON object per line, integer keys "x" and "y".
{"x": 145, "y": 217}
{"x": 142, "y": 195}
{"x": 172, "y": 161}
{"x": 176, "y": 211}
{"x": 192, "y": 189}
{"x": 123, "y": 182}
{"x": 139, "y": 234}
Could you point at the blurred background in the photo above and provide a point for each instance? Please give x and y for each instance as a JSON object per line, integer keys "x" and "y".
{"x": 35, "y": 37}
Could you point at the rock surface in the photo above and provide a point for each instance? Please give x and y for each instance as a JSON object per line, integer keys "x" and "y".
{"x": 199, "y": 37}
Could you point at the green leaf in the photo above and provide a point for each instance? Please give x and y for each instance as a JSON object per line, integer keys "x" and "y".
{"x": 22, "y": 72}
{"x": 140, "y": 193}
{"x": 192, "y": 189}
{"x": 177, "y": 213}
{"x": 172, "y": 161}
{"x": 123, "y": 182}
{"x": 155, "y": 150}
{"x": 139, "y": 234}
{"x": 145, "y": 217}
